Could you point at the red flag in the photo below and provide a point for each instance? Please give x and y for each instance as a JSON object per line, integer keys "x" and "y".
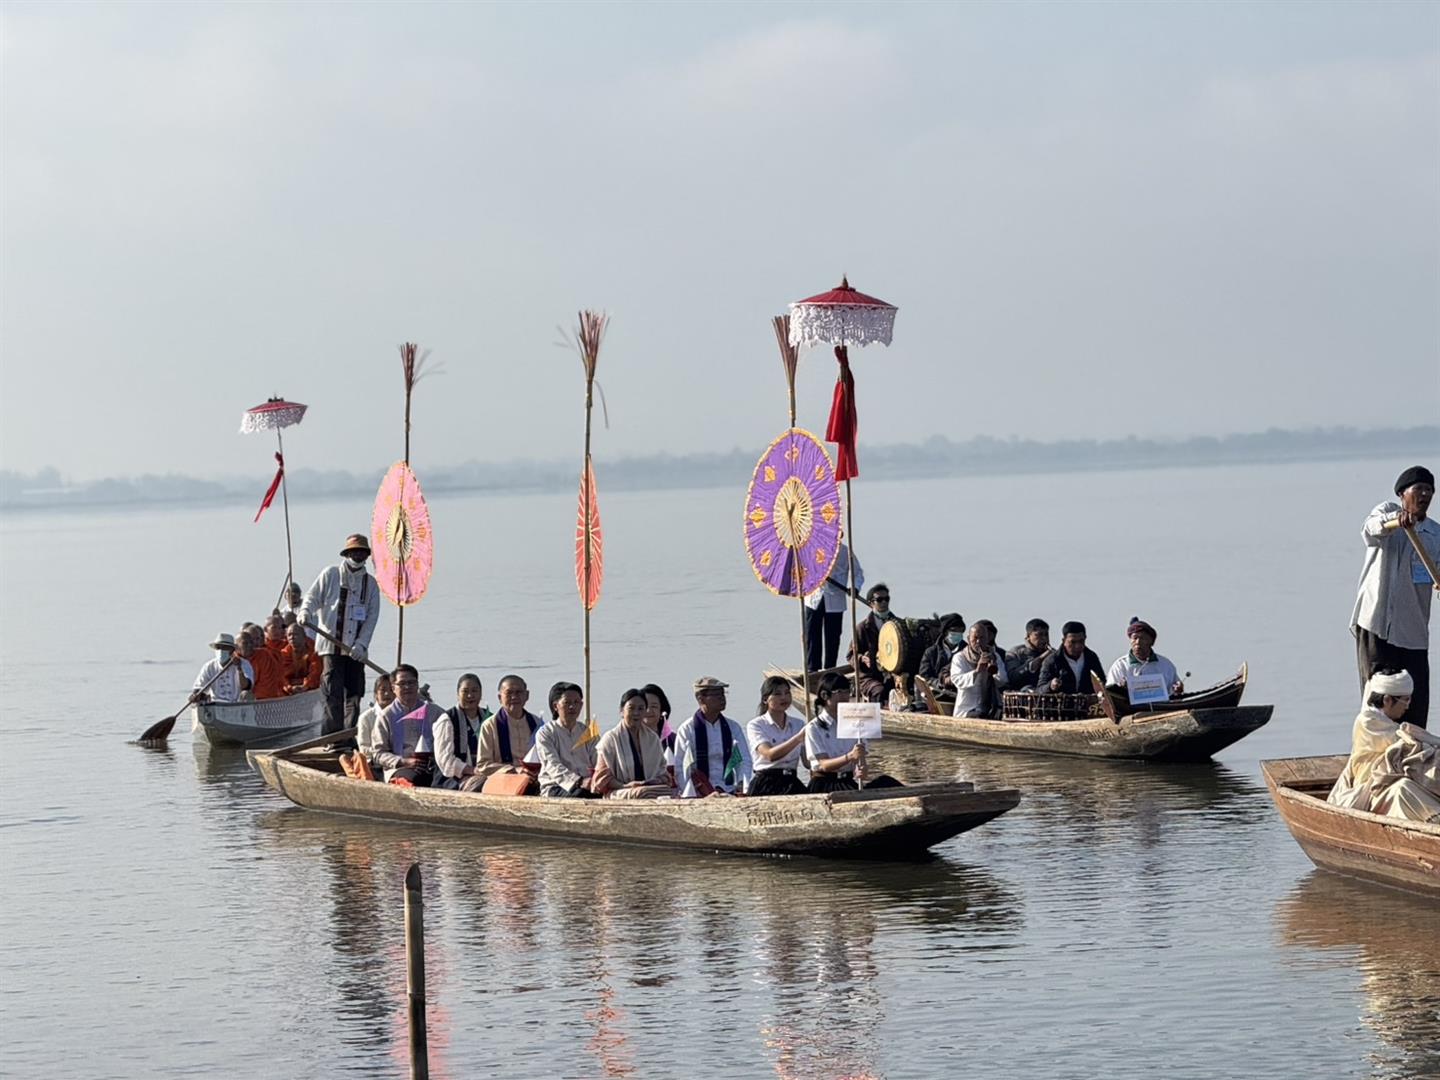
{"x": 843, "y": 421}
{"x": 274, "y": 487}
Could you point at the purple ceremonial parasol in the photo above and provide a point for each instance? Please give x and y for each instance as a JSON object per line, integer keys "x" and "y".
{"x": 792, "y": 511}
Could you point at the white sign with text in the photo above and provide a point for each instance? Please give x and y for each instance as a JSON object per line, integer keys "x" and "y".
{"x": 1146, "y": 689}
{"x": 858, "y": 720}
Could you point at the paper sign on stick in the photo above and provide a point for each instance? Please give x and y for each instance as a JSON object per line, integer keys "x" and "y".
{"x": 1146, "y": 689}
{"x": 858, "y": 720}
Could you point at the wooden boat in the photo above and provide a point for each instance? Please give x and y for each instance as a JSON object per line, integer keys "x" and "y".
{"x": 261, "y": 723}
{"x": 1176, "y": 735}
{"x": 886, "y": 823}
{"x": 1374, "y": 847}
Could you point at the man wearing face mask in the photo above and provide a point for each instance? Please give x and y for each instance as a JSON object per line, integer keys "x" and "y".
{"x": 345, "y": 603}
{"x": 935, "y": 664}
{"x": 875, "y": 682}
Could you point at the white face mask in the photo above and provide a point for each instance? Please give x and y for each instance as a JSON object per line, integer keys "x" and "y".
{"x": 354, "y": 564}
{"x": 955, "y": 639}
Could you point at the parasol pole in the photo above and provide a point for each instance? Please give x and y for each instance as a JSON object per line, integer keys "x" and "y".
{"x": 854, "y": 621}
{"x": 789, "y": 358}
{"x": 407, "y": 359}
{"x": 285, "y": 498}
{"x": 586, "y": 485}
{"x": 588, "y": 335}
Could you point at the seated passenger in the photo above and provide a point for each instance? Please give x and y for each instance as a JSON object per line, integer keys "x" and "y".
{"x": 302, "y": 666}
{"x": 275, "y": 636}
{"x": 630, "y": 759}
{"x": 978, "y": 674}
{"x": 835, "y": 763}
{"x": 404, "y": 738}
{"x": 567, "y": 756}
{"x": 1068, "y": 671}
{"x": 292, "y": 601}
{"x": 875, "y": 681}
{"x": 232, "y": 674}
{"x": 711, "y": 755}
{"x": 777, "y": 739}
{"x": 1394, "y": 768}
{"x": 935, "y": 663}
{"x": 268, "y": 678}
{"x": 508, "y": 736}
{"x": 381, "y": 697}
{"x": 1142, "y": 659}
{"x": 457, "y": 740}
{"x": 657, "y": 715}
{"x": 1023, "y": 662}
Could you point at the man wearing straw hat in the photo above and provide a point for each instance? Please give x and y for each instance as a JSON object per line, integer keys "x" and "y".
{"x": 1391, "y": 620}
{"x": 231, "y": 683}
{"x": 344, "y": 602}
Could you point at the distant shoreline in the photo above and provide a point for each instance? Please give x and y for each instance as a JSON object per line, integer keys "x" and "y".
{"x": 935, "y": 457}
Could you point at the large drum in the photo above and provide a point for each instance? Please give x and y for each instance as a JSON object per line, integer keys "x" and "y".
{"x": 903, "y": 643}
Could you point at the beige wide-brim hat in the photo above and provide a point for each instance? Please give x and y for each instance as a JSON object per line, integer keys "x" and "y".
{"x": 223, "y": 641}
{"x": 355, "y": 542}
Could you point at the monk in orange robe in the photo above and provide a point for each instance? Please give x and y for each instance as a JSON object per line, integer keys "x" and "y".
{"x": 275, "y": 637}
{"x": 269, "y": 671}
{"x": 302, "y": 663}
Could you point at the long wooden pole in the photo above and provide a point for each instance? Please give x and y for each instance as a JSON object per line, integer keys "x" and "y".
{"x": 400, "y": 565}
{"x": 854, "y": 621}
{"x": 586, "y": 480}
{"x": 415, "y": 974}
{"x": 285, "y": 498}
{"x": 800, "y": 598}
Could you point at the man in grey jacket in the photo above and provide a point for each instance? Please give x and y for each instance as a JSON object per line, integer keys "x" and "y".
{"x": 345, "y": 603}
{"x": 1391, "y": 620}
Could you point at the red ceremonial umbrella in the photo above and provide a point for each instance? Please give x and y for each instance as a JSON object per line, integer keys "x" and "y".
{"x": 273, "y": 415}
{"x": 843, "y": 317}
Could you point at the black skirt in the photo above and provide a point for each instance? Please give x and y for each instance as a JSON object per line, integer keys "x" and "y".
{"x": 823, "y": 783}
{"x": 776, "y": 782}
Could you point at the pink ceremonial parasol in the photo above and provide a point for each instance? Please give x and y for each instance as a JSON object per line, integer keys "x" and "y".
{"x": 404, "y": 546}
{"x": 589, "y": 563}
{"x": 275, "y": 415}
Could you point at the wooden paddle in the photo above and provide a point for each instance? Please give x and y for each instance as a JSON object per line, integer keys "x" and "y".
{"x": 159, "y": 731}
{"x": 1420, "y": 552}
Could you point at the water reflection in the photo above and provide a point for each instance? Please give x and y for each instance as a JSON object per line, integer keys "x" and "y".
{"x": 788, "y": 948}
{"x": 1392, "y": 937}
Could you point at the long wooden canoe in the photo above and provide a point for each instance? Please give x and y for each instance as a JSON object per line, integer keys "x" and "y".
{"x": 1374, "y": 847}
{"x": 260, "y": 723}
{"x": 886, "y": 823}
{"x": 1179, "y": 735}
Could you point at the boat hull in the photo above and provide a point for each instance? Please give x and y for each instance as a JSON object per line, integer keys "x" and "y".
{"x": 271, "y": 722}
{"x": 1187, "y": 735}
{"x": 1372, "y": 847}
{"x": 886, "y": 823}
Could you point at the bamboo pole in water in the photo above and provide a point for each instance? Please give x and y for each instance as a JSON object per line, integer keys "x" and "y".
{"x": 415, "y": 974}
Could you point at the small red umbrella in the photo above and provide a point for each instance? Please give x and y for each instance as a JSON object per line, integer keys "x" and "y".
{"x": 843, "y": 317}
{"x": 274, "y": 415}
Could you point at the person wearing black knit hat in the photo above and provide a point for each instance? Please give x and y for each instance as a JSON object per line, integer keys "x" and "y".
{"x": 1391, "y": 620}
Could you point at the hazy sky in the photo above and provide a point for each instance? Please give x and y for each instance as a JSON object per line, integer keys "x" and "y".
{"x": 1096, "y": 220}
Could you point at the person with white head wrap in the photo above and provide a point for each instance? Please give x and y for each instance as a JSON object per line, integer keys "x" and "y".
{"x": 1393, "y": 765}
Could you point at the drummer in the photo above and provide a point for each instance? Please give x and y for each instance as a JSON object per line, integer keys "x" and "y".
{"x": 875, "y": 682}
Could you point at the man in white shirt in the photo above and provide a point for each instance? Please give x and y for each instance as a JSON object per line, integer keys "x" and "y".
{"x": 344, "y": 601}
{"x": 825, "y": 612}
{"x": 229, "y": 682}
{"x": 979, "y": 674}
{"x": 711, "y": 754}
{"x": 1391, "y": 620}
{"x": 1143, "y": 660}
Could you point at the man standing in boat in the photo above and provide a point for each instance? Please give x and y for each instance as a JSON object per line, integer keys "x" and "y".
{"x": 1391, "y": 620}
{"x": 344, "y": 602}
{"x": 825, "y": 612}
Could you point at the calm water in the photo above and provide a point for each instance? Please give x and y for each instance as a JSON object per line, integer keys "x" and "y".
{"x": 164, "y": 914}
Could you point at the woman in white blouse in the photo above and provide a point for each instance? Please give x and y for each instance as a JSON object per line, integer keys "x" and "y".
{"x": 836, "y": 764}
{"x": 776, "y": 739}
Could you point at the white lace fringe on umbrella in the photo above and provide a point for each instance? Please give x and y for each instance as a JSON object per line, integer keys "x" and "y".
{"x": 841, "y": 324}
{"x": 272, "y": 419}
